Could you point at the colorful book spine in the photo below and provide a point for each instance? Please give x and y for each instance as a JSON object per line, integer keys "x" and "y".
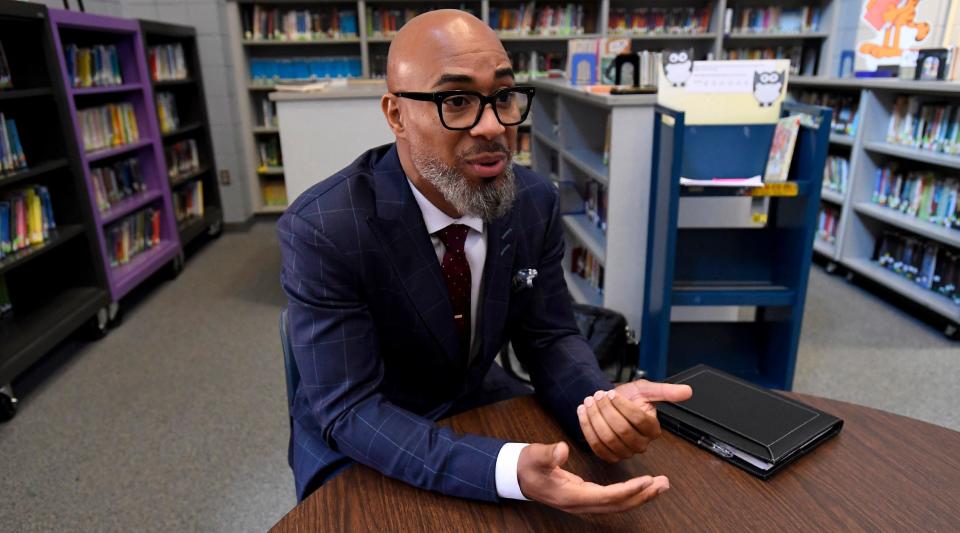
{"x": 269, "y": 154}
{"x": 923, "y": 125}
{"x": 836, "y": 174}
{"x": 533, "y": 19}
{"x": 115, "y": 183}
{"x": 595, "y": 204}
{"x": 12, "y": 156}
{"x": 133, "y": 235}
{"x": 266, "y": 72}
{"x": 659, "y": 21}
{"x": 585, "y": 265}
{"x": 773, "y": 19}
{"x": 182, "y": 158}
{"x": 931, "y": 265}
{"x": 266, "y": 23}
{"x": 26, "y": 219}
{"x": 827, "y": 223}
{"x": 108, "y": 126}
{"x": 188, "y": 201}
{"x": 97, "y": 66}
{"x": 167, "y": 62}
{"x": 920, "y": 194}
{"x": 167, "y": 112}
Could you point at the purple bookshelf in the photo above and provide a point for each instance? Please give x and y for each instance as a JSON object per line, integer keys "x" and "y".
{"x": 83, "y": 29}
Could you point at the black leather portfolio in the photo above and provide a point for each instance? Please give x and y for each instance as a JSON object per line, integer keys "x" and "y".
{"x": 752, "y": 427}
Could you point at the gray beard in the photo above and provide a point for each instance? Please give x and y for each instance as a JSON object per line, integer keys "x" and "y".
{"x": 488, "y": 201}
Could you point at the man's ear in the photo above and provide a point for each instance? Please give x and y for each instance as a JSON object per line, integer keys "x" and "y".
{"x": 391, "y": 111}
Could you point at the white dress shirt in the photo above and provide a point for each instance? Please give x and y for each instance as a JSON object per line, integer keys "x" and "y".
{"x": 475, "y": 248}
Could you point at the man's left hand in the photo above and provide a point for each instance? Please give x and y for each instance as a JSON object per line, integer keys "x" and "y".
{"x": 622, "y": 422}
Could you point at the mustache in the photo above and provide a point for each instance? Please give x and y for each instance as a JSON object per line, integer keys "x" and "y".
{"x": 486, "y": 148}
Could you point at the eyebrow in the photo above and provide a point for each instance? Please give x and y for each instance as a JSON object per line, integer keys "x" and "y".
{"x": 505, "y": 72}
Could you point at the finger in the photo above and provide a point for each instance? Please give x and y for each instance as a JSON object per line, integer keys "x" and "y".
{"x": 659, "y": 392}
{"x": 602, "y": 428}
{"x": 641, "y": 417}
{"x": 659, "y": 485}
{"x": 592, "y": 495}
{"x": 598, "y": 447}
{"x": 632, "y": 438}
{"x": 546, "y": 457}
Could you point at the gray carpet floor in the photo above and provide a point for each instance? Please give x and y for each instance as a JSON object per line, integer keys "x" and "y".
{"x": 176, "y": 421}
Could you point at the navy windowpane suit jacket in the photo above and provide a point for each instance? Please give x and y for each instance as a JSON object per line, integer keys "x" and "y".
{"x": 374, "y": 339}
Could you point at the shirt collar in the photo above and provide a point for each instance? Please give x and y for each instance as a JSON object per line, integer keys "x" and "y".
{"x": 436, "y": 220}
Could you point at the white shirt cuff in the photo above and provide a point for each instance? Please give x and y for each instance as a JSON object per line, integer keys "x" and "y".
{"x": 508, "y": 486}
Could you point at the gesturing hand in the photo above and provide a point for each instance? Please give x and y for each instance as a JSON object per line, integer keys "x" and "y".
{"x": 541, "y": 479}
{"x": 621, "y": 422}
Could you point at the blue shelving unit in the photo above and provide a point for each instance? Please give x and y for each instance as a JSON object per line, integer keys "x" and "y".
{"x": 761, "y": 268}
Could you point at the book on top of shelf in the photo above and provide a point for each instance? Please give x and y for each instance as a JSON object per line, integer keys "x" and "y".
{"x": 133, "y": 235}
{"x": 549, "y": 19}
{"x": 182, "y": 158}
{"x": 108, "y": 126}
{"x": 266, "y": 23}
{"x": 781, "y": 150}
{"x": 6, "y": 79}
{"x": 924, "y": 125}
{"x": 167, "y": 62}
{"x": 922, "y": 194}
{"x": 97, "y": 66}
{"x": 115, "y": 183}
{"x": 659, "y": 21}
{"x": 932, "y": 266}
{"x": 167, "y": 112}
{"x": 12, "y": 156}
{"x": 26, "y": 219}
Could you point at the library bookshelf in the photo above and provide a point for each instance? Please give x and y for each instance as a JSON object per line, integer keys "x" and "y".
{"x": 532, "y": 49}
{"x": 86, "y": 30}
{"x": 862, "y": 221}
{"x": 59, "y": 285}
{"x": 194, "y": 125}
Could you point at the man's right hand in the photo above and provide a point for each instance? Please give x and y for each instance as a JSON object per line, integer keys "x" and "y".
{"x": 541, "y": 479}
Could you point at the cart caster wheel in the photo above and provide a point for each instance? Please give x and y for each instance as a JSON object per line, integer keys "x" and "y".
{"x": 8, "y": 404}
{"x": 215, "y": 229}
{"x": 114, "y": 315}
{"x": 952, "y": 331}
{"x": 176, "y": 265}
{"x": 831, "y": 267}
{"x": 97, "y": 327}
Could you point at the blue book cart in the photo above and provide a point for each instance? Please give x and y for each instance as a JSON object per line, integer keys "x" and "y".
{"x": 761, "y": 269}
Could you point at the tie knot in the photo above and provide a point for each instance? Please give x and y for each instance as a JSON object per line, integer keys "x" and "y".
{"x": 453, "y": 237}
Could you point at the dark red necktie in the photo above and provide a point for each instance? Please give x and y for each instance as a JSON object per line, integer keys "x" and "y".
{"x": 456, "y": 272}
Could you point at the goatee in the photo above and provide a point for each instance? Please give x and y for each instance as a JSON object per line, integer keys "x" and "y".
{"x": 488, "y": 201}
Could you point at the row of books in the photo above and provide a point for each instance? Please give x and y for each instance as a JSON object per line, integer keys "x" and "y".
{"x": 592, "y": 61}
{"x": 836, "y": 174}
{"x": 26, "y": 219}
{"x": 167, "y": 112}
{"x": 115, "y": 183}
{"x": 267, "y": 117}
{"x": 264, "y": 23}
{"x": 803, "y": 61}
{"x": 108, "y": 125}
{"x": 773, "y": 19}
{"x": 182, "y": 158}
{"x": 167, "y": 62}
{"x": 923, "y": 125}
{"x": 658, "y": 21}
{"x": 846, "y": 113}
{"x": 6, "y": 305}
{"x": 385, "y": 22}
{"x": 827, "y": 222}
{"x": 97, "y": 66}
{"x": 929, "y": 264}
{"x": 273, "y": 192}
{"x": 6, "y": 78}
{"x": 920, "y": 193}
{"x": 133, "y": 235}
{"x": 188, "y": 201}
{"x": 595, "y": 204}
{"x": 268, "y": 154}
{"x": 270, "y": 71}
{"x": 531, "y": 19}
{"x": 12, "y": 156}
{"x": 585, "y": 265}
{"x": 536, "y": 64}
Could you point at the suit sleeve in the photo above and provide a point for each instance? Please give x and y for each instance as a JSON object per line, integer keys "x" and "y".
{"x": 562, "y": 366}
{"x": 339, "y": 397}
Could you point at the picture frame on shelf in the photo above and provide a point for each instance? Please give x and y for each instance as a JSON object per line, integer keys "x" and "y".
{"x": 931, "y": 64}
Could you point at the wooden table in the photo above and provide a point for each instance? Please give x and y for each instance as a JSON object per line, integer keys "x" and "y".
{"x": 883, "y": 472}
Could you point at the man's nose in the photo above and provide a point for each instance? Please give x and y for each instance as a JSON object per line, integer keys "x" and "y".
{"x": 488, "y": 127}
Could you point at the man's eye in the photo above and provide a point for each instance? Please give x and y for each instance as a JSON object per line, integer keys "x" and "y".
{"x": 456, "y": 101}
{"x": 504, "y": 98}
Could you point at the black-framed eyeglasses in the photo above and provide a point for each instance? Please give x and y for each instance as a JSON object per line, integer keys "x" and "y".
{"x": 461, "y": 110}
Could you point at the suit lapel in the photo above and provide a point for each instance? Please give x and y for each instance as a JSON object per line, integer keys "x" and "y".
{"x": 399, "y": 226}
{"x": 495, "y": 292}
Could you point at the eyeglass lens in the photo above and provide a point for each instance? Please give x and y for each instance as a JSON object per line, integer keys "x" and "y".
{"x": 463, "y": 110}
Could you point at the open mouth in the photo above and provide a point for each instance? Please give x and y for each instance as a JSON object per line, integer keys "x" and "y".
{"x": 487, "y": 166}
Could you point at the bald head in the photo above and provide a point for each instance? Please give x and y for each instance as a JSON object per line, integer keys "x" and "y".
{"x": 434, "y": 40}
